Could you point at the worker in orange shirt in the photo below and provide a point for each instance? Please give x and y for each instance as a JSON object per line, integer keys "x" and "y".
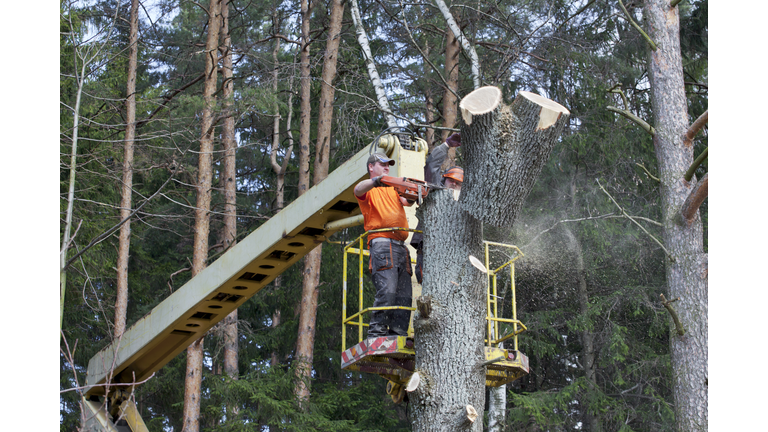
{"x": 390, "y": 262}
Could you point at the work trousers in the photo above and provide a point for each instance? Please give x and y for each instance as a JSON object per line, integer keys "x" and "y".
{"x": 390, "y": 266}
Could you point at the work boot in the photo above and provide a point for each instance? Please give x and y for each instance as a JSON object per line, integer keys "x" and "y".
{"x": 377, "y": 330}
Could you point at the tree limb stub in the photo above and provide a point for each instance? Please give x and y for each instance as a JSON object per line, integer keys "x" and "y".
{"x": 695, "y": 128}
{"x": 505, "y": 148}
{"x": 668, "y": 304}
{"x": 695, "y": 198}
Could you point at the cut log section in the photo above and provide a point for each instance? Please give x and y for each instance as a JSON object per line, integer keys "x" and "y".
{"x": 505, "y": 148}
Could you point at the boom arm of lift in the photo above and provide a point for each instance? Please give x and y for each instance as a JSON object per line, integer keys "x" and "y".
{"x": 237, "y": 275}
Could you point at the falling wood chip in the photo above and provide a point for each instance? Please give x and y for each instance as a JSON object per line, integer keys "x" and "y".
{"x": 477, "y": 263}
{"x": 471, "y": 413}
{"x": 413, "y": 383}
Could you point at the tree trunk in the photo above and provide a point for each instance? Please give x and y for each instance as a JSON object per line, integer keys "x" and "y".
{"x": 310, "y": 291}
{"x": 457, "y": 33}
{"x": 362, "y": 39}
{"x": 497, "y": 407}
{"x": 193, "y": 377}
{"x": 687, "y": 272}
{"x": 450, "y": 101}
{"x": 228, "y": 180}
{"x": 276, "y": 167}
{"x": 512, "y": 142}
{"x": 449, "y": 343}
{"x": 304, "y": 364}
{"x": 121, "y": 304}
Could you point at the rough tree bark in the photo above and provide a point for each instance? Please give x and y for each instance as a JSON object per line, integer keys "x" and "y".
{"x": 449, "y": 343}
{"x": 193, "y": 377}
{"x": 228, "y": 179}
{"x": 310, "y": 284}
{"x": 121, "y": 303}
{"x": 687, "y": 271}
{"x": 450, "y": 100}
{"x": 505, "y": 148}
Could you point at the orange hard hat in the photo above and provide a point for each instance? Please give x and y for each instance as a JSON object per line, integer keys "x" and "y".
{"x": 455, "y": 173}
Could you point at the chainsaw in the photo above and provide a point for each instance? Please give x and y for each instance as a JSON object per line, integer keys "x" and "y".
{"x": 408, "y": 188}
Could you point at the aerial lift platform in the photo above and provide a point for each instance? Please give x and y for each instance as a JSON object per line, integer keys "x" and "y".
{"x": 393, "y": 357}
{"x": 233, "y": 278}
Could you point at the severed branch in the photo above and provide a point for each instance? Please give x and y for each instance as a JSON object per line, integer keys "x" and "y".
{"x": 695, "y": 128}
{"x": 695, "y": 198}
{"x": 674, "y": 3}
{"x": 636, "y": 223}
{"x": 668, "y": 305}
{"x": 642, "y": 123}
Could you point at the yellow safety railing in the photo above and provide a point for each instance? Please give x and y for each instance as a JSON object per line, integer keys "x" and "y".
{"x": 492, "y": 316}
{"x": 357, "y": 318}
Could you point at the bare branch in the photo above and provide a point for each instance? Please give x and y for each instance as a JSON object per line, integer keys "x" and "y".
{"x": 647, "y": 172}
{"x": 634, "y": 24}
{"x": 648, "y": 128}
{"x": 635, "y": 222}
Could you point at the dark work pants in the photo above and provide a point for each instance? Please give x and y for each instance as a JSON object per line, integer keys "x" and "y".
{"x": 391, "y": 271}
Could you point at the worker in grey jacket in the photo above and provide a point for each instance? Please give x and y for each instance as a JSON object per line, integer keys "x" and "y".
{"x": 452, "y": 178}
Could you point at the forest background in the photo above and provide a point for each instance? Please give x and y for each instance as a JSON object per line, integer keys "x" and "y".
{"x": 617, "y": 336}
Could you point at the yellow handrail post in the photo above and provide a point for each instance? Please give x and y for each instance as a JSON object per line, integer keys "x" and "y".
{"x": 514, "y": 300}
{"x": 344, "y": 305}
{"x": 360, "y": 295}
{"x": 488, "y": 297}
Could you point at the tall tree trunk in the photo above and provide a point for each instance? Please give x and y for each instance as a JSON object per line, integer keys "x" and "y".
{"x": 497, "y": 407}
{"x": 450, "y": 101}
{"x": 310, "y": 291}
{"x": 373, "y": 73}
{"x": 228, "y": 178}
{"x": 687, "y": 270}
{"x": 193, "y": 377}
{"x": 449, "y": 343}
{"x": 121, "y": 304}
{"x": 276, "y": 167}
{"x": 304, "y": 365}
{"x": 457, "y": 33}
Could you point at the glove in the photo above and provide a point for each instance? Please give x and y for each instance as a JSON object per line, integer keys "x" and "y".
{"x": 377, "y": 182}
{"x": 454, "y": 140}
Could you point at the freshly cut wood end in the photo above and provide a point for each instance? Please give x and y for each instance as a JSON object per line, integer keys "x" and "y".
{"x": 550, "y": 110}
{"x": 480, "y": 101}
{"x": 413, "y": 383}
{"x": 471, "y": 413}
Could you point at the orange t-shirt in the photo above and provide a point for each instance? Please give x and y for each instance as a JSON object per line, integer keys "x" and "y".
{"x": 381, "y": 208}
